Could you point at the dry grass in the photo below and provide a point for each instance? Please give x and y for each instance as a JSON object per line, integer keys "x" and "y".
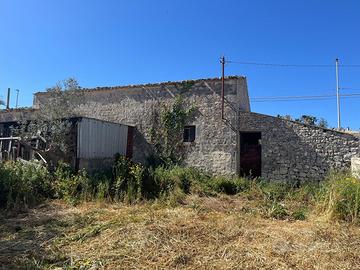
{"x": 204, "y": 233}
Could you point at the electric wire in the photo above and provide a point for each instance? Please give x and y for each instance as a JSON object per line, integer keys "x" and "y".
{"x": 302, "y": 98}
{"x": 289, "y": 65}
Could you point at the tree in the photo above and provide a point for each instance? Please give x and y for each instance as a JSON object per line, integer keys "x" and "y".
{"x": 323, "y": 123}
{"x": 286, "y": 117}
{"x": 307, "y": 119}
{"x": 51, "y": 121}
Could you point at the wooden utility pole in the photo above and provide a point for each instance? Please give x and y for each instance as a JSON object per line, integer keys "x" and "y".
{"x": 8, "y": 100}
{"x": 222, "y": 61}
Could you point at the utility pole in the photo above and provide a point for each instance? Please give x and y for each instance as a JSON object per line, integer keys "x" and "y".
{"x": 222, "y": 61}
{"x": 8, "y": 100}
{"x": 17, "y": 98}
{"x": 337, "y": 92}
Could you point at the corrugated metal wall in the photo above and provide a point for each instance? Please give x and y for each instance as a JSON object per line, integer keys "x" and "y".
{"x": 98, "y": 139}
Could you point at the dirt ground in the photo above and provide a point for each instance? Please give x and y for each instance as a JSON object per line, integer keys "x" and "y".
{"x": 203, "y": 233}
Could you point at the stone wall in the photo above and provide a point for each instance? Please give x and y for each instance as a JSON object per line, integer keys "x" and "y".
{"x": 14, "y": 115}
{"x": 295, "y": 152}
{"x": 215, "y": 147}
{"x": 290, "y": 151}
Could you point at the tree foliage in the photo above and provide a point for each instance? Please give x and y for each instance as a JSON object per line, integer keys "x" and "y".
{"x": 308, "y": 120}
{"x": 167, "y": 136}
{"x": 51, "y": 120}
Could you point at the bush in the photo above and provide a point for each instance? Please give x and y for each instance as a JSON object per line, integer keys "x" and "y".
{"x": 229, "y": 186}
{"x": 128, "y": 180}
{"x": 299, "y": 214}
{"x": 276, "y": 210}
{"x": 339, "y": 197}
{"x": 23, "y": 184}
{"x": 185, "y": 180}
{"x": 73, "y": 188}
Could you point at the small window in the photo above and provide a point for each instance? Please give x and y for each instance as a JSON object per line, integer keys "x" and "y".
{"x": 189, "y": 133}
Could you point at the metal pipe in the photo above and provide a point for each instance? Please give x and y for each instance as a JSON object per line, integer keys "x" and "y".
{"x": 17, "y": 98}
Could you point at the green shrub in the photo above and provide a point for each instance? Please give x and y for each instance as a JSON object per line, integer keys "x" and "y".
{"x": 339, "y": 197}
{"x": 299, "y": 214}
{"x": 23, "y": 184}
{"x": 276, "y": 210}
{"x": 101, "y": 183}
{"x": 275, "y": 191}
{"x": 164, "y": 182}
{"x": 128, "y": 180}
{"x": 185, "y": 180}
{"x": 230, "y": 186}
{"x": 306, "y": 193}
{"x": 72, "y": 187}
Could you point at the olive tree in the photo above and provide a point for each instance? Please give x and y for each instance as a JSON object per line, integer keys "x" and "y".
{"x": 50, "y": 121}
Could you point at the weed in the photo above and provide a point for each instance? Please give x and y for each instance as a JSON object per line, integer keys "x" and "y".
{"x": 299, "y": 214}
{"x": 276, "y": 210}
{"x": 229, "y": 186}
{"x": 23, "y": 185}
{"x": 339, "y": 197}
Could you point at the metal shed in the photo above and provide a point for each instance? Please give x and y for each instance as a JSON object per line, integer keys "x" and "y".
{"x": 93, "y": 143}
{"x": 98, "y": 141}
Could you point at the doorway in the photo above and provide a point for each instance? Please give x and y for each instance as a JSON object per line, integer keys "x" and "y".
{"x": 250, "y": 154}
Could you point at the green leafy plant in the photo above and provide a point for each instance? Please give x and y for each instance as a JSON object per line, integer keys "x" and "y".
{"x": 299, "y": 214}
{"x": 73, "y": 187}
{"x": 230, "y": 186}
{"x": 167, "y": 137}
{"x": 23, "y": 184}
{"x": 128, "y": 179}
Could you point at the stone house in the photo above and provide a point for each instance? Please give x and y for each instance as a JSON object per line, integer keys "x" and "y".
{"x": 241, "y": 143}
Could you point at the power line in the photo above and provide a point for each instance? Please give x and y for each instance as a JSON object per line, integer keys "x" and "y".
{"x": 288, "y": 65}
{"x": 315, "y": 96}
{"x": 302, "y": 98}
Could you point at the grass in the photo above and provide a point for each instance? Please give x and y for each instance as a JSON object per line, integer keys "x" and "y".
{"x": 174, "y": 218}
{"x": 223, "y": 232}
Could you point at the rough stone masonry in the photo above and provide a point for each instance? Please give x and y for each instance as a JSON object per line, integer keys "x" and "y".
{"x": 288, "y": 151}
{"x": 292, "y": 151}
{"x": 215, "y": 145}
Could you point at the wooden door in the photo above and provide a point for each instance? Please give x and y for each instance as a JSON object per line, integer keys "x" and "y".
{"x": 250, "y": 154}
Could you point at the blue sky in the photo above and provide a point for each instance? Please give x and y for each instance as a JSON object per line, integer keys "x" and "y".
{"x": 106, "y": 43}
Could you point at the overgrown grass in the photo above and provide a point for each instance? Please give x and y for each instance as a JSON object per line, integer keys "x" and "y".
{"x": 217, "y": 234}
{"x": 339, "y": 197}
{"x": 23, "y": 185}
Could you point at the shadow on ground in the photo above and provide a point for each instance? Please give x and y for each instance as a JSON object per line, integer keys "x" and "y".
{"x": 25, "y": 237}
